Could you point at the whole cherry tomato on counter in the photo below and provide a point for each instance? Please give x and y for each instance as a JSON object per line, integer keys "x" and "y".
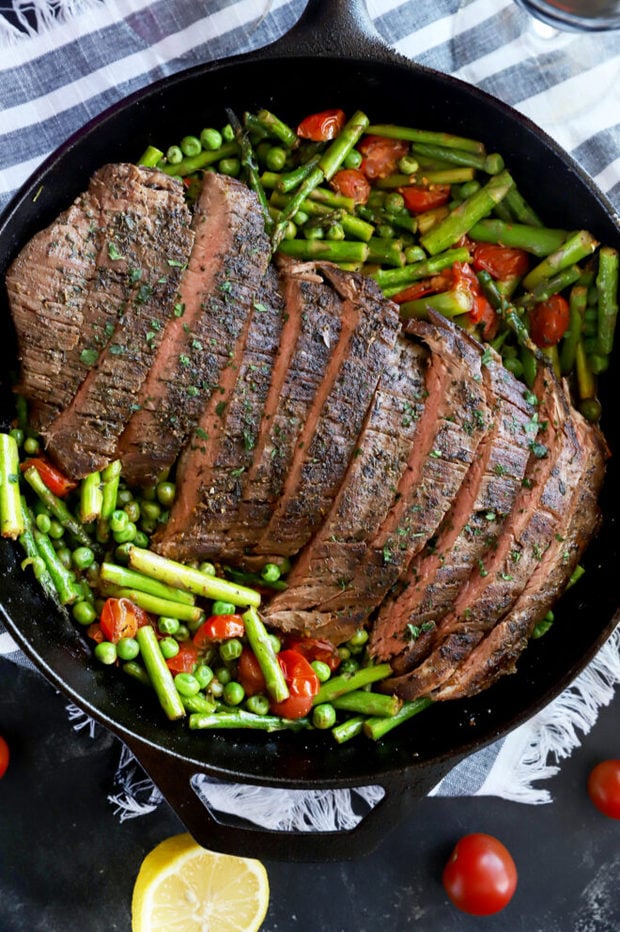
{"x": 549, "y": 320}
{"x": 604, "y": 788}
{"x": 54, "y": 478}
{"x": 480, "y": 877}
{"x": 303, "y": 684}
{"x": 4, "y": 756}
{"x": 323, "y": 126}
{"x": 121, "y": 618}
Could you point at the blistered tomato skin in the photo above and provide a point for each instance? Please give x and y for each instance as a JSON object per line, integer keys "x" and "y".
{"x": 480, "y": 876}
{"x": 604, "y": 788}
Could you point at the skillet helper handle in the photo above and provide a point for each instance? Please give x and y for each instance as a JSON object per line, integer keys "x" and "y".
{"x": 334, "y": 28}
{"x": 173, "y": 778}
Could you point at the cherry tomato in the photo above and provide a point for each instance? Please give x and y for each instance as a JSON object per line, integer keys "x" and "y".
{"x": 4, "y": 756}
{"x": 95, "y": 633}
{"x": 381, "y": 155}
{"x": 352, "y": 183}
{"x": 218, "y": 628}
{"x": 549, "y": 320}
{"x": 121, "y": 618}
{"x": 185, "y": 660}
{"x": 54, "y": 478}
{"x": 303, "y": 684}
{"x": 419, "y": 197}
{"x": 316, "y": 649}
{"x": 502, "y": 262}
{"x": 604, "y": 788}
{"x": 480, "y": 877}
{"x": 482, "y": 312}
{"x": 323, "y": 126}
{"x": 249, "y": 673}
{"x": 417, "y": 290}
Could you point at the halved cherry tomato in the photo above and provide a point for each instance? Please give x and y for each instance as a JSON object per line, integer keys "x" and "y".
{"x": 316, "y": 649}
{"x": 185, "y": 661}
{"x": 352, "y": 183}
{"x": 482, "y": 311}
{"x": 95, "y": 633}
{"x": 249, "y": 673}
{"x": 419, "y": 197}
{"x": 218, "y": 628}
{"x": 323, "y": 126}
{"x": 54, "y": 478}
{"x": 604, "y": 788}
{"x": 549, "y": 320}
{"x": 303, "y": 684}
{"x": 381, "y": 155}
{"x": 502, "y": 262}
{"x": 121, "y": 618}
{"x": 480, "y": 877}
{"x": 4, "y": 756}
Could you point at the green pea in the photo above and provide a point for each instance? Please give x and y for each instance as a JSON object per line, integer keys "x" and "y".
{"x": 140, "y": 540}
{"x": 300, "y": 218}
{"x": 166, "y": 492}
{"x": 223, "y": 675}
{"x": 348, "y": 666}
{"x": 147, "y": 526}
{"x": 220, "y": 607}
{"x": 230, "y": 650}
{"x": 169, "y": 647}
{"x": 257, "y": 704}
{"x": 127, "y": 534}
{"x": 121, "y": 553}
{"x": 394, "y": 202}
{"x": 207, "y": 568}
{"x": 359, "y": 638}
{"x": 211, "y": 139}
{"x": 314, "y": 233}
{"x": 190, "y": 146}
{"x": 230, "y": 167}
{"x": 216, "y": 688}
{"x": 182, "y": 633}
{"x": 17, "y": 435}
{"x": 43, "y": 522}
{"x": 105, "y": 652}
{"x": 228, "y": 133}
{"x": 204, "y": 674}
{"x": 132, "y": 510}
{"x": 353, "y": 159}
{"x": 323, "y": 715}
{"x": 408, "y": 165}
{"x": 290, "y": 231}
{"x": 174, "y": 155}
{"x": 376, "y": 198}
{"x": 469, "y": 188}
{"x": 275, "y": 158}
{"x": 234, "y": 693}
{"x": 119, "y": 520}
{"x": 83, "y": 612}
{"x": 198, "y": 703}
{"x": 322, "y": 670}
{"x": 83, "y": 557}
{"x": 344, "y": 653}
{"x": 335, "y": 232}
{"x": 186, "y": 684}
{"x": 65, "y": 556}
{"x": 386, "y": 231}
{"x": 55, "y": 530}
{"x": 123, "y": 496}
{"x": 271, "y": 572}
{"x": 127, "y": 649}
{"x": 150, "y": 511}
{"x": 31, "y": 446}
{"x": 167, "y": 625}
{"x": 149, "y": 493}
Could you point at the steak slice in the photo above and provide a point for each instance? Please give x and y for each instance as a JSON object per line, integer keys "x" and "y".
{"x": 473, "y": 523}
{"x": 498, "y": 653}
{"x": 73, "y": 281}
{"x": 346, "y": 588}
{"x": 327, "y": 439}
{"x": 538, "y": 514}
{"x": 226, "y": 266}
{"x": 210, "y": 469}
{"x": 363, "y": 500}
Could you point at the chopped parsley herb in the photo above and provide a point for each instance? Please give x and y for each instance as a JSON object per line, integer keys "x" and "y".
{"x": 515, "y": 555}
{"x": 499, "y": 470}
{"x": 435, "y": 453}
{"x": 226, "y": 287}
{"x": 196, "y": 344}
{"x": 235, "y": 473}
{"x": 179, "y": 310}
{"x": 184, "y": 360}
{"x": 483, "y": 572}
{"x": 260, "y": 307}
{"x": 387, "y": 554}
{"x": 530, "y": 397}
{"x": 486, "y": 357}
{"x": 527, "y": 483}
{"x": 248, "y": 440}
{"x": 414, "y": 631}
{"x": 144, "y": 293}
{"x": 134, "y": 275}
{"x": 490, "y": 516}
{"x": 506, "y": 576}
{"x": 116, "y": 349}
{"x": 539, "y": 450}
{"x": 220, "y": 408}
{"x": 193, "y": 391}
{"x": 176, "y": 264}
{"x": 201, "y": 433}
{"x": 89, "y": 357}
{"x": 113, "y": 252}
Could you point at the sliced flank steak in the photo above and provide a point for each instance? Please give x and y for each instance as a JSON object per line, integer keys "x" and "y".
{"x": 72, "y": 284}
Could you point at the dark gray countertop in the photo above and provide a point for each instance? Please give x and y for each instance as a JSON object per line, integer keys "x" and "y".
{"x": 67, "y": 863}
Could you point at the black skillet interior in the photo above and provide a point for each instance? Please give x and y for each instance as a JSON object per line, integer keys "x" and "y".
{"x": 355, "y": 72}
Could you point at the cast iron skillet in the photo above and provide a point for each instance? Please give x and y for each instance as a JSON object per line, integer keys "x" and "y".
{"x": 331, "y": 58}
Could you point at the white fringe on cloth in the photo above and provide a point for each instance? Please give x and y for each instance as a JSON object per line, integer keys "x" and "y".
{"x": 36, "y": 17}
{"x": 529, "y": 754}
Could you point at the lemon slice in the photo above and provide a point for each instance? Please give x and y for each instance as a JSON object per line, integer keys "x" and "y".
{"x": 182, "y": 887}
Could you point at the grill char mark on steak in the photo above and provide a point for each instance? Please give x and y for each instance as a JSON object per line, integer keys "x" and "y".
{"x": 491, "y": 590}
{"x": 448, "y": 432}
{"x": 333, "y": 422}
{"x": 228, "y": 261}
{"x": 150, "y": 244}
{"x": 211, "y": 466}
{"x": 78, "y": 274}
{"x": 432, "y": 581}
{"x": 497, "y": 654}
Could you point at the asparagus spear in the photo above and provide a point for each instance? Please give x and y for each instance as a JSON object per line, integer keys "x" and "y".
{"x": 56, "y": 506}
{"x": 258, "y": 637}
{"x": 63, "y": 579}
{"x": 460, "y": 220}
{"x": 348, "y": 682}
{"x": 110, "y": 479}
{"x": 540, "y": 241}
{"x": 376, "y": 728}
{"x": 575, "y": 248}
{"x": 410, "y": 134}
{"x": 391, "y": 281}
{"x": 368, "y": 703}
{"x": 33, "y": 557}
{"x": 193, "y": 163}
{"x": 577, "y": 303}
{"x": 11, "y": 515}
{"x": 159, "y": 674}
{"x": 327, "y": 250}
{"x": 155, "y": 604}
{"x": 91, "y": 498}
{"x": 122, "y": 576}
{"x": 348, "y": 729}
{"x": 239, "y": 718}
{"x": 607, "y": 289}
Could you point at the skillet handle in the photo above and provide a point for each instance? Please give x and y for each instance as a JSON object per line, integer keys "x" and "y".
{"x": 173, "y": 778}
{"x": 332, "y": 28}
